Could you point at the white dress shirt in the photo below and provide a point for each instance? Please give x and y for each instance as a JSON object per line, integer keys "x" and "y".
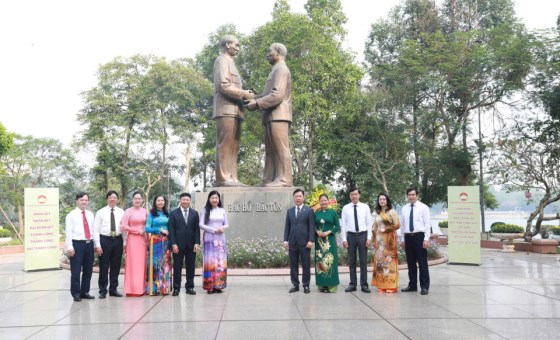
{"x": 422, "y": 220}
{"x": 103, "y": 223}
{"x": 74, "y": 229}
{"x": 365, "y": 221}
{"x": 296, "y": 210}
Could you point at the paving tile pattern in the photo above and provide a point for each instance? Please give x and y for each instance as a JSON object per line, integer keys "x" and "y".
{"x": 509, "y": 296}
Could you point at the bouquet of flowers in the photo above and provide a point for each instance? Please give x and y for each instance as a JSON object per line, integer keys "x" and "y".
{"x": 312, "y": 199}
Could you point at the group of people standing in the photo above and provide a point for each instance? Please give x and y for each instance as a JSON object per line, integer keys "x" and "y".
{"x": 149, "y": 240}
{"x": 306, "y": 230}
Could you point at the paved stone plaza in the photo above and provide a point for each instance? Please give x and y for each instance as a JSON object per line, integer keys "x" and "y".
{"x": 510, "y": 296}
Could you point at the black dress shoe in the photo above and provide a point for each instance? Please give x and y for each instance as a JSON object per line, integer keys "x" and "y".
{"x": 409, "y": 289}
{"x": 77, "y": 298}
{"x": 294, "y": 289}
{"x": 219, "y": 291}
{"x": 191, "y": 291}
{"x": 87, "y": 296}
{"x": 102, "y": 295}
{"x": 210, "y": 292}
{"x": 423, "y": 291}
{"x": 115, "y": 294}
{"x": 365, "y": 289}
{"x": 306, "y": 289}
{"x": 175, "y": 293}
{"x": 350, "y": 289}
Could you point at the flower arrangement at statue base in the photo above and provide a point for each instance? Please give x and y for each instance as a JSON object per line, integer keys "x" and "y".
{"x": 312, "y": 199}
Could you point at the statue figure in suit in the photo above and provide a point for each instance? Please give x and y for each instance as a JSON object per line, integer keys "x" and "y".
{"x": 228, "y": 112}
{"x": 275, "y": 104}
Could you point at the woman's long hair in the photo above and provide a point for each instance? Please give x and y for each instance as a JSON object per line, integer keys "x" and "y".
{"x": 154, "y": 210}
{"x": 208, "y": 206}
{"x": 389, "y": 204}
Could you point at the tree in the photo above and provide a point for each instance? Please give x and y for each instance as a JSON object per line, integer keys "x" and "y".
{"x": 38, "y": 162}
{"x": 138, "y": 103}
{"x": 471, "y": 58}
{"x": 369, "y": 149}
{"x": 176, "y": 97}
{"x": 111, "y": 116}
{"x": 324, "y": 77}
{"x": 528, "y": 161}
{"x": 6, "y": 140}
{"x": 530, "y": 151}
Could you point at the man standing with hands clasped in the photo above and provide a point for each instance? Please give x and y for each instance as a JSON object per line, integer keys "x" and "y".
{"x": 184, "y": 237}
{"x": 415, "y": 219}
{"x": 299, "y": 235}
{"x": 275, "y": 104}
{"x": 356, "y": 235}
{"x": 109, "y": 244}
{"x": 228, "y": 112}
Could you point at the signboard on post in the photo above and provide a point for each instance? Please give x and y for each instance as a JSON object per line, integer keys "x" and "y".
{"x": 464, "y": 225}
{"x": 42, "y": 235}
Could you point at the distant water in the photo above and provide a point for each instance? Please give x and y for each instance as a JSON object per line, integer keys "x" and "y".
{"x": 521, "y": 221}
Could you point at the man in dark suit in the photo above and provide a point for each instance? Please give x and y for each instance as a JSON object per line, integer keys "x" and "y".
{"x": 299, "y": 235}
{"x": 184, "y": 237}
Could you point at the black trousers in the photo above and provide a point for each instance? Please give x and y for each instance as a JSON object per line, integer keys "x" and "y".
{"x": 189, "y": 256}
{"x": 357, "y": 242}
{"x": 297, "y": 254}
{"x": 110, "y": 263}
{"x": 81, "y": 262}
{"x": 416, "y": 254}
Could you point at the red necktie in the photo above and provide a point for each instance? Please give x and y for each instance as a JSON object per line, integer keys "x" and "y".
{"x": 86, "y": 226}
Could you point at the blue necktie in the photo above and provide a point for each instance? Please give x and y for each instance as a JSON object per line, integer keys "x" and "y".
{"x": 411, "y": 219}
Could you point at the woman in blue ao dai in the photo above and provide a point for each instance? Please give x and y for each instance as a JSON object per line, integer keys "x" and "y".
{"x": 159, "y": 255}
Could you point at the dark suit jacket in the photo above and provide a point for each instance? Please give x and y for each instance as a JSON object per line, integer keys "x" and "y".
{"x": 184, "y": 234}
{"x": 298, "y": 231}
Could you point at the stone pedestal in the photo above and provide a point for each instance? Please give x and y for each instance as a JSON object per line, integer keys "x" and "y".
{"x": 252, "y": 211}
{"x": 544, "y": 246}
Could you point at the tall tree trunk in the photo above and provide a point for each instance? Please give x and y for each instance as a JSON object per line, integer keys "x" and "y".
{"x": 124, "y": 163}
{"x": 415, "y": 140}
{"x": 20, "y": 219}
{"x": 311, "y": 169}
{"x": 204, "y": 169}
{"x": 187, "y": 155}
{"x": 539, "y": 210}
{"x": 466, "y": 171}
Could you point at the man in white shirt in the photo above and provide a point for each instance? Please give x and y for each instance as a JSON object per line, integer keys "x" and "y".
{"x": 356, "y": 224}
{"x": 79, "y": 247}
{"x": 416, "y": 228}
{"x": 109, "y": 243}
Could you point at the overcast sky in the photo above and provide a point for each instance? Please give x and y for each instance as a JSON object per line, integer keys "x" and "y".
{"x": 51, "y": 49}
